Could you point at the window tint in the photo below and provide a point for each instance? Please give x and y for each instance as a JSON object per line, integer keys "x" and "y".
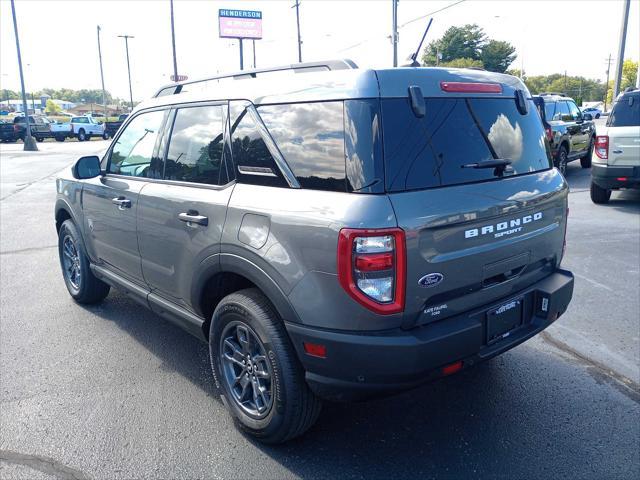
{"x": 574, "y": 111}
{"x": 434, "y": 150}
{"x": 196, "y": 145}
{"x": 251, "y": 157}
{"x": 310, "y": 136}
{"x": 549, "y": 110}
{"x": 132, "y": 153}
{"x": 562, "y": 111}
{"x": 626, "y": 112}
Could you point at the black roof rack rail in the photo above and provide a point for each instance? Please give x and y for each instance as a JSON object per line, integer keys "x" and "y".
{"x": 343, "y": 64}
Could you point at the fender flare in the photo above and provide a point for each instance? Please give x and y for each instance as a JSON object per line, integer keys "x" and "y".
{"x": 227, "y": 262}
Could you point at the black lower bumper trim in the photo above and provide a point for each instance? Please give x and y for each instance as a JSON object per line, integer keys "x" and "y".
{"x": 608, "y": 177}
{"x": 363, "y": 365}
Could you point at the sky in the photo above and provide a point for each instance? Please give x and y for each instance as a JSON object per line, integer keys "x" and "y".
{"x": 59, "y": 42}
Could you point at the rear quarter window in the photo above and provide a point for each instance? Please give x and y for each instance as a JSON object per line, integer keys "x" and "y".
{"x": 310, "y": 137}
{"x": 432, "y": 151}
{"x": 626, "y": 112}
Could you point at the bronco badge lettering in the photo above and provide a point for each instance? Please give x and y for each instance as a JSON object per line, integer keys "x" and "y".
{"x": 503, "y": 228}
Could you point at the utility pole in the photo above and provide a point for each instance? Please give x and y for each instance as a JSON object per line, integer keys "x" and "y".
{"x": 297, "y": 6}
{"x": 565, "y": 82}
{"x": 606, "y": 85}
{"x": 623, "y": 40}
{"x": 241, "y": 55}
{"x": 173, "y": 43}
{"x": 29, "y": 142}
{"x": 104, "y": 101}
{"x": 126, "y": 46}
{"x": 394, "y": 31}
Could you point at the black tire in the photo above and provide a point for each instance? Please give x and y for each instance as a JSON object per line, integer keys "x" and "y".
{"x": 561, "y": 159}
{"x": 39, "y": 139}
{"x": 82, "y": 136}
{"x": 85, "y": 288}
{"x": 597, "y": 115}
{"x": 105, "y": 136}
{"x": 599, "y": 195}
{"x": 585, "y": 162}
{"x": 293, "y": 408}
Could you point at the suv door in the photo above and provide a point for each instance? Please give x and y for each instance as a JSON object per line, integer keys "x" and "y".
{"x": 180, "y": 218}
{"x": 110, "y": 201}
{"x": 581, "y": 137}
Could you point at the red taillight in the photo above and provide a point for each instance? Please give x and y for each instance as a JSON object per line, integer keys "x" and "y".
{"x": 469, "y": 87}
{"x": 602, "y": 146}
{"x": 315, "y": 349}
{"x": 371, "y": 267}
{"x": 622, "y": 179}
{"x": 549, "y": 132}
{"x": 452, "y": 368}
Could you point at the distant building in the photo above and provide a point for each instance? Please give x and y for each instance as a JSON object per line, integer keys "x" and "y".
{"x": 96, "y": 109}
{"x": 36, "y": 105}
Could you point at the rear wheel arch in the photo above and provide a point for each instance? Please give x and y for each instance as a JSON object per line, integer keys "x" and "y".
{"x": 227, "y": 274}
{"x": 62, "y": 214}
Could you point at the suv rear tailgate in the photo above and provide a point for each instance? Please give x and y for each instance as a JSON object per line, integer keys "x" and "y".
{"x": 483, "y": 241}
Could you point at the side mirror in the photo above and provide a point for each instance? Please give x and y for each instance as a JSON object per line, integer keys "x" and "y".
{"x": 86, "y": 167}
{"x": 587, "y": 116}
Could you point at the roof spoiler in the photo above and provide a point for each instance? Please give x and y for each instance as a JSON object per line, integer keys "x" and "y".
{"x": 304, "y": 67}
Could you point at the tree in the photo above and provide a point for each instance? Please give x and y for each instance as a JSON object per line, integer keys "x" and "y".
{"x": 463, "y": 63}
{"x": 497, "y": 55}
{"x": 52, "y": 107}
{"x": 629, "y": 76}
{"x": 469, "y": 46}
{"x": 457, "y": 42}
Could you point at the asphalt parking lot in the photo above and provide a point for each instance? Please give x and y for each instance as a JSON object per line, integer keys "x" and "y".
{"x": 113, "y": 391}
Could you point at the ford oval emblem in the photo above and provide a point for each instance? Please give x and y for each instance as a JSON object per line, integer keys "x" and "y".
{"x": 431, "y": 280}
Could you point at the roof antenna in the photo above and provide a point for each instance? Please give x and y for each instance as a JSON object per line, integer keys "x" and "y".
{"x": 414, "y": 56}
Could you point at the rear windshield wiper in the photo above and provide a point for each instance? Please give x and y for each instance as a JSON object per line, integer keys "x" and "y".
{"x": 500, "y": 163}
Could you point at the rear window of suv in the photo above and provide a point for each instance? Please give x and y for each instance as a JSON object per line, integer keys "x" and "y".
{"x": 433, "y": 151}
{"x": 626, "y": 112}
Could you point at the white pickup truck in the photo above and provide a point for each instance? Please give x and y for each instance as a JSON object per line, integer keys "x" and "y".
{"x": 83, "y": 128}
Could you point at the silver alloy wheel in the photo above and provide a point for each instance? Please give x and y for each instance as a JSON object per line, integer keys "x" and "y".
{"x": 71, "y": 262}
{"x": 562, "y": 161}
{"x": 246, "y": 369}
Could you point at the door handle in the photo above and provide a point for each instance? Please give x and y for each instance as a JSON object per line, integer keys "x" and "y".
{"x": 122, "y": 202}
{"x": 617, "y": 151}
{"x": 192, "y": 216}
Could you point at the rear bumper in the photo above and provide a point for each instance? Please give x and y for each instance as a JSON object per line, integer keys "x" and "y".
{"x": 610, "y": 177}
{"x": 359, "y": 366}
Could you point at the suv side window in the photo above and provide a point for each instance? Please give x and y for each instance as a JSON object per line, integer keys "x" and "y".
{"x": 311, "y": 139}
{"x": 196, "y": 146}
{"x": 251, "y": 157}
{"x": 575, "y": 112}
{"x": 132, "y": 153}
{"x": 562, "y": 111}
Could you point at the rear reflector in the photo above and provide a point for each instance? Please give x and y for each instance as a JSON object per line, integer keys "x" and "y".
{"x": 315, "y": 349}
{"x": 467, "y": 87}
{"x": 622, "y": 179}
{"x": 452, "y": 368}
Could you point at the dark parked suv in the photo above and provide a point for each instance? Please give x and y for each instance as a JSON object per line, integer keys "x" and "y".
{"x": 331, "y": 235}
{"x": 571, "y": 134}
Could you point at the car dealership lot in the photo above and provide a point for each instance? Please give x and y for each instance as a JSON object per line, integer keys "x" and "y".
{"x": 113, "y": 391}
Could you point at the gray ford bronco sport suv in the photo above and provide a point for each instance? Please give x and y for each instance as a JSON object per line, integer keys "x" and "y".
{"x": 337, "y": 234}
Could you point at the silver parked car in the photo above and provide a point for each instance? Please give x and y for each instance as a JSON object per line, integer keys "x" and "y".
{"x": 335, "y": 234}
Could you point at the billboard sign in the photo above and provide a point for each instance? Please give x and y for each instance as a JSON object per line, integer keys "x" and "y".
{"x": 240, "y": 23}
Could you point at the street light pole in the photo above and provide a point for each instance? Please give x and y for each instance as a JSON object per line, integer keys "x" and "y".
{"x": 173, "y": 43}
{"x": 104, "y": 101}
{"x": 29, "y": 142}
{"x": 126, "y": 46}
{"x": 623, "y": 40}
{"x": 394, "y": 31}
{"x": 297, "y": 5}
{"x": 606, "y": 85}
